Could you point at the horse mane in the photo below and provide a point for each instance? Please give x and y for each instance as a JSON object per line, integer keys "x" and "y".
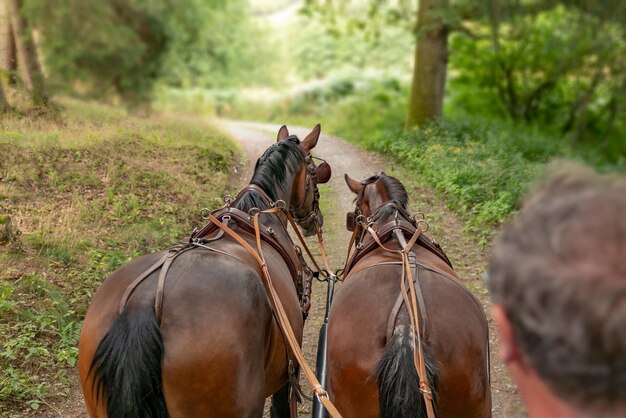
{"x": 271, "y": 172}
{"x": 395, "y": 189}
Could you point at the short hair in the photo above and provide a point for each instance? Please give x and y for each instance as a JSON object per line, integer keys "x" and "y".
{"x": 559, "y": 271}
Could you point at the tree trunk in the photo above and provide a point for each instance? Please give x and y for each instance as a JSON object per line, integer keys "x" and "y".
{"x": 431, "y": 60}
{"x": 8, "y": 51}
{"x": 4, "y": 105}
{"x": 27, "y": 53}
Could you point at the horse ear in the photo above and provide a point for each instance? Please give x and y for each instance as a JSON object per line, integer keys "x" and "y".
{"x": 353, "y": 185}
{"x": 283, "y": 133}
{"x": 382, "y": 190}
{"x": 311, "y": 139}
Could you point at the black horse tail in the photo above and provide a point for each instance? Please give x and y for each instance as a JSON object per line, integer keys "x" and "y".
{"x": 398, "y": 381}
{"x": 127, "y": 366}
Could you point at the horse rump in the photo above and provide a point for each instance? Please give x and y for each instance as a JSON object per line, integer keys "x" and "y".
{"x": 398, "y": 381}
{"x": 127, "y": 366}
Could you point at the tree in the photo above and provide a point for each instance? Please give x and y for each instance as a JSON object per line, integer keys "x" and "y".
{"x": 123, "y": 49}
{"x": 430, "y": 22}
{"x": 431, "y": 60}
{"x": 27, "y": 53}
{"x": 8, "y": 50}
{"x": 557, "y": 65}
{"x": 4, "y": 105}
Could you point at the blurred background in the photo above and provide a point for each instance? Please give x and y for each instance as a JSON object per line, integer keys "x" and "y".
{"x": 110, "y": 140}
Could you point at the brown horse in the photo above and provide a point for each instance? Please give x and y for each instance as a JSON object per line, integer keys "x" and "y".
{"x": 371, "y": 370}
{"x": 211, "y": 347}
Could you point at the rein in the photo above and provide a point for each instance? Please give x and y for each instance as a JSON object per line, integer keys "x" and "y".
{"x": 409, "y": 294}
{"x": 281, "y": 315}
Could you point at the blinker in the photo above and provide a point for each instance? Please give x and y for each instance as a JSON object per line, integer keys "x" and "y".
{"x": 350, "y": 221}
{"x": 323, "y": 172}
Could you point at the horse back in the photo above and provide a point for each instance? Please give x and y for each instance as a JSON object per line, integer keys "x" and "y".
{"x": 216, "y": 321}
{"x": 359, "y": 328}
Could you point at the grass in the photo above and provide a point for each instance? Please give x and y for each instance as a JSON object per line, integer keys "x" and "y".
{"x": 88, "y": 188}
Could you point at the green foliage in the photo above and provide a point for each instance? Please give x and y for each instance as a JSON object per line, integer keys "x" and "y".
{"x": 319, "y": 51}
{"x": 359, "y": 102}
{"x": 126, "y": 47}
{"x": 265, "y": 7}
{"x": 214, "y": 44}
{"x": 41, "y": 338}
{"x": 481, "y": 166}
{"x": 561, "y": 68}
{"x": 89, "y": 192}
{"x": 483, "y": 171}
{"x": 115, "y": 45}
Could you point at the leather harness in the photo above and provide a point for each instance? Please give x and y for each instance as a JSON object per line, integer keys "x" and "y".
{"x": 376, "y": 236}
{"x": 198, "y": 239}
{"x": 249, "y": 223}
{"x": 398, "y": 229}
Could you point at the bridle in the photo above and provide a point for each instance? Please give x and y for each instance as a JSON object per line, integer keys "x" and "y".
{"x": 315, "y": 175}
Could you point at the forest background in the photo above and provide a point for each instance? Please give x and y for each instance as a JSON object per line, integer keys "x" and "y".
{"x": 501, "y": 88}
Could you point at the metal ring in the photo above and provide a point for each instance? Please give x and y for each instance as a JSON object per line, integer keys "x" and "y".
{"x": 422, "y": 216}
{"x": 227, "y": 199}
{"x": 423, "y": 221}
{"x": 204, "y": 213}
{"x": 280, "y": 204}
{"x": 252, "y": 212}
{"x": 360, "y": 219}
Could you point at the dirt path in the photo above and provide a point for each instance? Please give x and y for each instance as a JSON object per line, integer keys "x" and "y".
{"x": 468, "y": 257}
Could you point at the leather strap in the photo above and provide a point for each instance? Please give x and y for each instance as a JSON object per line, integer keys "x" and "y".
{"x": 281, "y": 315}
{"x": 164, "y": 264}
{"x": 384, "y": 234}
{"x": 409, "y": 297}
{"x": 411, "y": 303}
{"x": 243, "y": 221}
{"x": 412, "y": 258}
{"x": 158, "y": 299}
{"x": 131, "y": 287}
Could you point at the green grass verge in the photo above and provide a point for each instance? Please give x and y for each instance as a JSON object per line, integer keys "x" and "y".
{"x": 88, "y": 189}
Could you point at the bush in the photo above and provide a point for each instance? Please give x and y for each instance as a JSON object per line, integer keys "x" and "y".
{"x": 482, "y": 171}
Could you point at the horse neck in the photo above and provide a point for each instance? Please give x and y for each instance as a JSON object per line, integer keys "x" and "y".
{"x": 279, "y": 193}
{"x": 387, "y": 212}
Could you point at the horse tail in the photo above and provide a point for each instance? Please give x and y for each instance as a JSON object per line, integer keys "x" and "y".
{"x": 398, "y": 381}
{"x": 127, "y": 366}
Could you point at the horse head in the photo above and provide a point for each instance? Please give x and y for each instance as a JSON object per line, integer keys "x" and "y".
{"x": 304, "y": 199}
{"x": 373, "y": 196}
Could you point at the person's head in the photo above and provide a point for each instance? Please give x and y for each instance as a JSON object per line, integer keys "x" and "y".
{"x": 558, "y": 283}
